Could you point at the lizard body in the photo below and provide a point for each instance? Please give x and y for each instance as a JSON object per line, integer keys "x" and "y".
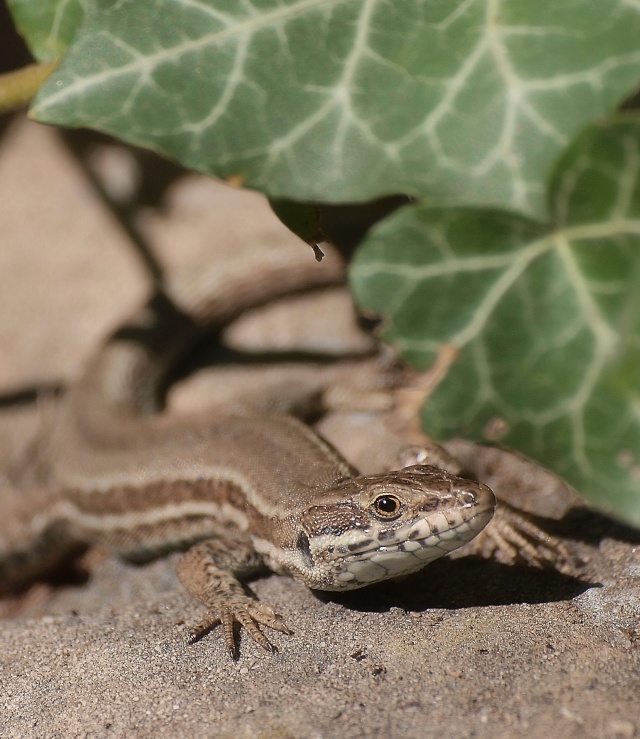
{"x": 236, "y": 492}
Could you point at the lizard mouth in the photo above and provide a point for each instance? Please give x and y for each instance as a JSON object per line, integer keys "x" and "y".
{"x": 407, "y": 549}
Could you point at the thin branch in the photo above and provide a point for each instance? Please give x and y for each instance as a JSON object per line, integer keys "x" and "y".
{"x": 18, "y": 87}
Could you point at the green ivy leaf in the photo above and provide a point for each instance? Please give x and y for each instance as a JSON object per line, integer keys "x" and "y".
{"x": 547, "y": 319}
{"x": 48, "y": 26}
{"x": 464, "y": 102}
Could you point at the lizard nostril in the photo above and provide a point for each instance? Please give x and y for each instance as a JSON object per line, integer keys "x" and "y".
{"x": 468, "y": 498}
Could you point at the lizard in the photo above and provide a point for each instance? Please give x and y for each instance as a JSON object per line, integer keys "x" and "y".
{"x": 236, "y": 492}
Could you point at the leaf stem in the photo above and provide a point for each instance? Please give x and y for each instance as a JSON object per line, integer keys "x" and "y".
{"x": 18, "y": 87}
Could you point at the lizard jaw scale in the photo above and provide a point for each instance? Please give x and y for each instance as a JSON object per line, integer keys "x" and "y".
{"x": 413, "y": 547}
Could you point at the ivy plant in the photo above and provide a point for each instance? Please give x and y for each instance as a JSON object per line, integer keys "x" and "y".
{"x": 500, "y": 118}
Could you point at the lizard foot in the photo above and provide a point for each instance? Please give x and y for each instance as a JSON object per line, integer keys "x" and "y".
{"x": 513, "y": 537}
{"x": 208, "y": 571}
{"x": 246, "y": 612}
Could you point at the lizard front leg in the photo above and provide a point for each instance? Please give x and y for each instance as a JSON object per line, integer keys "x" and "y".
{"x": 211, "y": 571}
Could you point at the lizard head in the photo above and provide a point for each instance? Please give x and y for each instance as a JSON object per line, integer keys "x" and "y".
{"x": 373, "y": 528}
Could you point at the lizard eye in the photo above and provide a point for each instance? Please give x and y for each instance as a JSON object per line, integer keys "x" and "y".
{"x": 387, "y": 506}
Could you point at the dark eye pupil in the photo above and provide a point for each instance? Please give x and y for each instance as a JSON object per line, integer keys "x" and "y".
{"x": 386, "y": 504}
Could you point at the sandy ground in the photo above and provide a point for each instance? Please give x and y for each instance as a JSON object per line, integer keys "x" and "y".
{"x": 467, "y": 648}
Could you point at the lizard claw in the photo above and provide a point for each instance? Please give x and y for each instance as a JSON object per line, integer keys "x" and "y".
{"x": 247, "y": 613}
